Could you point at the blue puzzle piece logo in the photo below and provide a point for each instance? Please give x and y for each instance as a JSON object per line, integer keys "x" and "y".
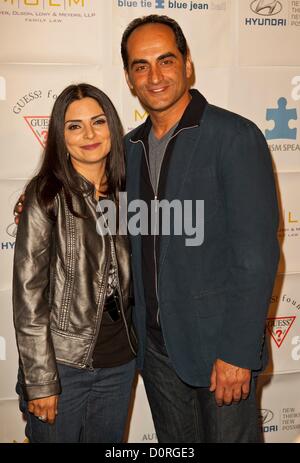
{"x": 281, "y": 116}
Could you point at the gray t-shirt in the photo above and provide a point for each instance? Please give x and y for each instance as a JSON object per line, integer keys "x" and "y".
{"x": 156, "y": 153}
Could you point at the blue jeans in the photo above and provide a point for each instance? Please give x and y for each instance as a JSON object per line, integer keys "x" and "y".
{"x": 92, "y": 407}
{"x": 186, "y": 414}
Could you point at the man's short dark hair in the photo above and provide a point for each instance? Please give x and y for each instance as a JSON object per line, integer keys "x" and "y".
{"x": 153, "y": 19}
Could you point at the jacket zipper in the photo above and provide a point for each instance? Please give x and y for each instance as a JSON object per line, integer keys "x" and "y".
{"x": 115, "y": 261}
{"x": 120, "y": 294}
{"x": 155, "y": 191}
{"x": 89, "y": 363}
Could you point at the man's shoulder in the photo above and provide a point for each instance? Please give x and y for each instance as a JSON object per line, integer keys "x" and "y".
{"x": 228, "y": 120}
{"x": 130, "y": 135}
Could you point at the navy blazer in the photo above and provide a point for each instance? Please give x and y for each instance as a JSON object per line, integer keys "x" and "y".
{"x": 213, "y": 298}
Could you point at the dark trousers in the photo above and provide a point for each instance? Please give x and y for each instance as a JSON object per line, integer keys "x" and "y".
{"x": 92, "y": 407}
{"x": 186, "y": 414}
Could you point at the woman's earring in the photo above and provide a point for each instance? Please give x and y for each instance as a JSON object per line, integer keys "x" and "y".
{"x": 68, "y": 155}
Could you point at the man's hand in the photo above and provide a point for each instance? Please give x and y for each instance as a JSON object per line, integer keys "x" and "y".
{"x": 19, "y": 209}
{"x": 45, "y": 409}
{"x": 229, "y": 383}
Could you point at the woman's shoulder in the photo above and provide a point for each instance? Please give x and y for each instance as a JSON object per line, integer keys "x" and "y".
{"x": 31, "y": 190}
{"x": 33, "y": 197}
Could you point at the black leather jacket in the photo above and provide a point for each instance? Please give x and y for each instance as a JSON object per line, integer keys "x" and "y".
{"x": 59, "y": 288}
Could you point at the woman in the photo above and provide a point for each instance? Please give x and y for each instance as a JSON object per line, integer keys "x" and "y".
{"x": 71, "y": 289}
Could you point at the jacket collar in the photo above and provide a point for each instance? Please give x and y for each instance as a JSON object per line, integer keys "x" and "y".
{"x": 86, "y": 187}
{"x": 190, "y": 118}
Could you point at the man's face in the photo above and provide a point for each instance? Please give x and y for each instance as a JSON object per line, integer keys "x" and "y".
{"x": 157, "y": 72}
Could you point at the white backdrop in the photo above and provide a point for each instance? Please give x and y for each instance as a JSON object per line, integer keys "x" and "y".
{"x": 246, "y": 59}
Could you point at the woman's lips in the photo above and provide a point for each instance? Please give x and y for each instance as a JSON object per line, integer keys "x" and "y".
{"x": 90, "y": 147}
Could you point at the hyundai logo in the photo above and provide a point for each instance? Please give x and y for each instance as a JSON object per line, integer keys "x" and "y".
{"x": 266, "y": 415}
{"x": 11, "y": 230}
{"x": 266, "y": 7}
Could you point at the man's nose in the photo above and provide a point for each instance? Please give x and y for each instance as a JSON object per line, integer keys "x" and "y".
{"x": 155, "y": 74}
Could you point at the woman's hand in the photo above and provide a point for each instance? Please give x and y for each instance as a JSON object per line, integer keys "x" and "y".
{"x": 18, "y": 209}
{"x": 44, "y": 409}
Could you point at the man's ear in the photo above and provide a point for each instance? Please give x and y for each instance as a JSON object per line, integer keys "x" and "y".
{"x": 188, "y": 65}
{"x": 128, "y": 80}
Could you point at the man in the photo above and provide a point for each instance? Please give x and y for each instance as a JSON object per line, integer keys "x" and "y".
{"x": 200, "y": 310}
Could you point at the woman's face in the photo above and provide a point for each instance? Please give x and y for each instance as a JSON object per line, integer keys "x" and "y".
{"x": 87, "y": 135}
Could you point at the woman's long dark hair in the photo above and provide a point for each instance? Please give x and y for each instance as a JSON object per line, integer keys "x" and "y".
{"x": 56, "y": 172}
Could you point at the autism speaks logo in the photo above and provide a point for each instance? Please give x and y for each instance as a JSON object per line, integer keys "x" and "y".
{"x": 284, "y": 116}
{"x": 281, "y": 117}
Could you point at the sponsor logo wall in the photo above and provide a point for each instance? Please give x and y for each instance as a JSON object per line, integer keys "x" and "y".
{"x": 274, "y": 105}
{"x": 246, "y": 59}
{"x": 30, "y": 93}
{"x": 283, "y": 325}
{"x": 268, "y": 32}
{"x": 280, "y": 407}
{"x": 10, "y": 190}
{"x": 48, "y": 30}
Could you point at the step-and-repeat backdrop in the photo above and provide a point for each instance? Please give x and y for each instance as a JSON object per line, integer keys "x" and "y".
{"x": 246, "y": 59}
